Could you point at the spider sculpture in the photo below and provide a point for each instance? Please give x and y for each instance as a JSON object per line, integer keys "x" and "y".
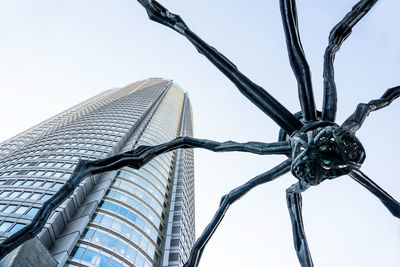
{"x": 317, "y": 148}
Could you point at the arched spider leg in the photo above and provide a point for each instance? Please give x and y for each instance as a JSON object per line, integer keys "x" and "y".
{"x": 293, "y": 198}
{"x": 256, "y": 94}
{"x": 355, "y": 121}
{"x": 135, "y": 158}
{"x": 390, "y": 203}
{"x": 226, "y": 201}
{"x": 338, "y": 34}
{"x": 297, "y": 59}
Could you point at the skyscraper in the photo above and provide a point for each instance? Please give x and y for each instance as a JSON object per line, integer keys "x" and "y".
{"x": 127, "y": 217}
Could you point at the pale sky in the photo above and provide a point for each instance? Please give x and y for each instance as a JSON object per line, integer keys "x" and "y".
{"x": 55, "y": 54}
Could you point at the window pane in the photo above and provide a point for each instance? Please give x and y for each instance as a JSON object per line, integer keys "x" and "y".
{"x": 4, "y": 227}
{"x": 121, "y": 247}
{"x": 17, "y": 227}
{"x": 113, "y": 263}
{"x": 35, "y": 196}
{"x": 107, "y": 221}
{"x": 10, "y": 208}
{"x": 47, "y": 184}
{"x": 89, "y": 255}
{"x": 89, "y": 234}
{"x": 97, "y": 219}
{"x": 104, "y": 261}
{"x": 14, "y": 194}
{"x": 98, "y": 237}
{"x": 37, "y": 183}
{"x": 78, "y": 252}
{"x": 32, "y": 211}
{"x": 46, "y": 197}
{"x": 21, "y": 210}
{"x": 110, "y": 242}
{"x": 28, "y": 183}
{"x": 139, "y": 260}
{"x": 5, "y": 193}
{"x": 19, "y": 182}
{"x": 25, "y": 195}
{"x": 131, "y": 254}
{"x": 57, "y": 185}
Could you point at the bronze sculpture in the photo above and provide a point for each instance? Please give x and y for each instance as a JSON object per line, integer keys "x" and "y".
{"x": 314, "y": 155}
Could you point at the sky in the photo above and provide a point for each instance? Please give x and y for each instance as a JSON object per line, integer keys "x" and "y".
{"x": 55, "y": 54}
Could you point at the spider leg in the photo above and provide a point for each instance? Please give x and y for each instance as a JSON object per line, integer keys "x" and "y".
{"x": 355, "y": 121}
{"x": 226, "y": 201}
{"x": 297, "y": 59}
{"x": 256, "y": 94}
{"x": 338, "y": 34}
{"x": 293, "y": 198}
{"x": 136, "y": 159}
{"x": 390, "y": 203}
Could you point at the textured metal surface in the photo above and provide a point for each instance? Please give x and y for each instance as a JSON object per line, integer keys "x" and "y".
{"x": 329, "y": 150}
{"x": 135, "y": 159}
{"x": 320, "y": 148}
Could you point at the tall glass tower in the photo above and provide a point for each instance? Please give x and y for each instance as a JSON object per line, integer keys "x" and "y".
{"x": 122, "y": 218}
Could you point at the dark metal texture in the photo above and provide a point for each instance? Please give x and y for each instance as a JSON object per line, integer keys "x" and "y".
{"x": 354, "y": 122}
{"x": 318, "y": 149}
{"x": 136, "y": 159}
{"x": 256, "y": 94}
{"x": 297, "y": 59}
{"x": 390, "y": 203}
{"x": 338, "y": 34}
{"x": 325, "y": 153}
{"x": 294, "y": 202}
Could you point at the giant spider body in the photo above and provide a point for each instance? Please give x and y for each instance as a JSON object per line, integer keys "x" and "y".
{"x": 317, "y": 148}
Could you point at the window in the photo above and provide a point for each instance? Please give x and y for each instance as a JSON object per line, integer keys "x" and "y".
{"x": 5, "y": 193}
{"x": 14, "y": 194}
{"x": 48, "y": 174}
{"x": 89, "y": 255}
{"x": 37, "y": 183}
{"x": 10, "y": 209}
{"x": 28, "y": 183}
{"x": 17, "y": 227}
{"x": 40, "y": 173}
{"x": 57, "y": 185}
{"x": 21, "y": 210}
{"x": 58, "y": 174}
{"x": 47, "y": 184}
{"x": 32, "y": 212}
{"x": 35, "y": 196}
{"x": 25, "y": 195}
{"x": 107, "y": 221}
{"x": 98, "y": 237}
{"x": 46, "y": 197}
{"x": 110, "y": 242}
{"x": 31, "y": 173}
{"x": 4, "y": 226}
{"x": 88, "y": 234}
{"x": 78, "y": 252}
{"x": 139, "y": 260}
{"x": 19, "y": 182}
{"x": 97, "y": 219}
{"x": 121, "y": 247}
{"x": 131, "y": 254}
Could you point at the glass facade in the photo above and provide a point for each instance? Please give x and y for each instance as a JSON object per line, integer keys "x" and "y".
{"x": 120, "y": 218}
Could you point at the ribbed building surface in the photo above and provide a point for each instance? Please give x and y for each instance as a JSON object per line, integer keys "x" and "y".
{"x": 123, "y": 218}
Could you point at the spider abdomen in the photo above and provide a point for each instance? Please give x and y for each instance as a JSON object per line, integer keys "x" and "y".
{"x": 325, "y": 153}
